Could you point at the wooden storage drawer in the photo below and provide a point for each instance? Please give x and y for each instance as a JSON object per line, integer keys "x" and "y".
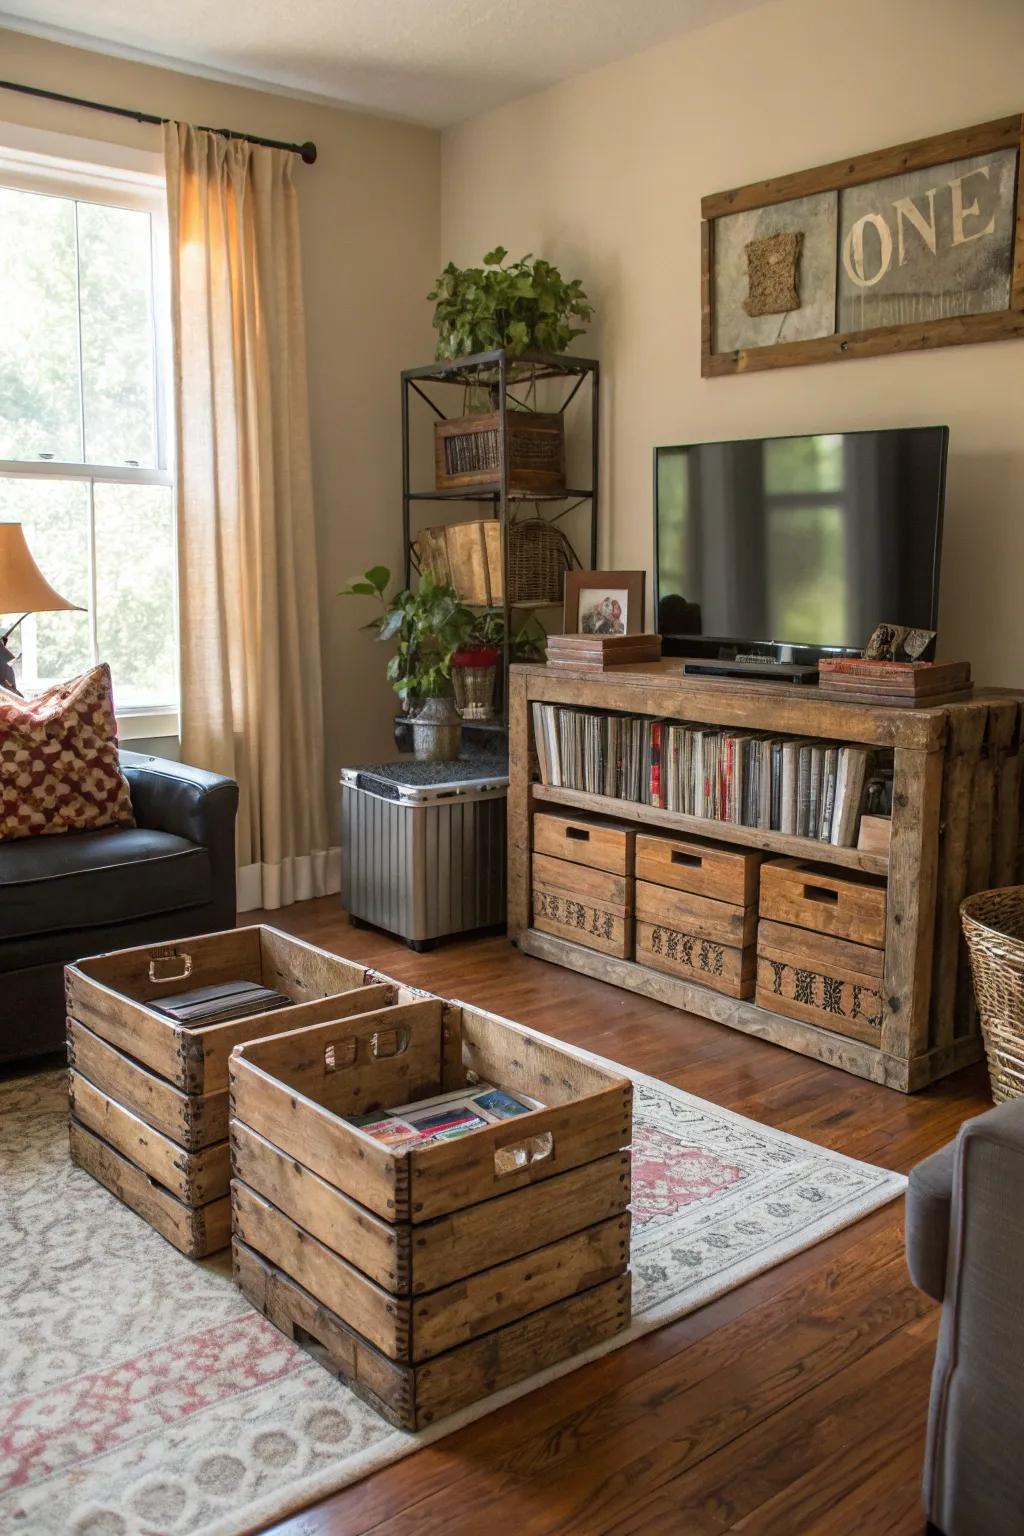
{"x": 414, "y": 1396}
{"x": 821, "y": 979}
{"x": 586, "y": 905}
{"x": 150, "y": 1133}
{"x": 706, "y": 868}
{"x": 847, "y": 904}
{"x": 719, "y": 921}
{"x": 400, "y": 1260}
{"x": 722, "y": 967}
{"x": 585, "y": 840}
{"x": 112, "y": 994}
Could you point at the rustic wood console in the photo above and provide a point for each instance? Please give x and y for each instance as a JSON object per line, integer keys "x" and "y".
{"x": 956, "y": 829}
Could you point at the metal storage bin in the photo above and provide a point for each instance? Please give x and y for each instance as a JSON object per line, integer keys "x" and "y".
{"x": 423, "y": 847}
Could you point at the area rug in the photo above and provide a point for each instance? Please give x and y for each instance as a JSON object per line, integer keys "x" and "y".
{"x": 140, "y": 1395}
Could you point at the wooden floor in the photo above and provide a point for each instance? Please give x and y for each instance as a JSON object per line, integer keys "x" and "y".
{"x": 793, "y": 1406}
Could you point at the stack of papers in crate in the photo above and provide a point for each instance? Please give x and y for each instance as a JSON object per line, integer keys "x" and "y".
{"x": 445, "y": 1117}
{"x": 221, "y": 1002}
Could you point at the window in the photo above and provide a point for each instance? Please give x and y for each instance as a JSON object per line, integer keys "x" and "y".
{"x": 83, "y": 441}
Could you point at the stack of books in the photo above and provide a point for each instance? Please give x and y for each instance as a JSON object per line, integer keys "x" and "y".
{"x": 598, "y": 653}
{"x": 446, "y": 1117}
{"x": 795, "y": 785}
{"x": 903, "y": 684}
{"x": 221, "y": 1002}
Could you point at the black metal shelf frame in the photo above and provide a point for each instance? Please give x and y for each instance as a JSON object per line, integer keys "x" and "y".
{"x": 501, "y": 373}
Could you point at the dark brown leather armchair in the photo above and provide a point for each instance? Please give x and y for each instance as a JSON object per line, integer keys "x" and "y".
{"x": 82, "y": 893}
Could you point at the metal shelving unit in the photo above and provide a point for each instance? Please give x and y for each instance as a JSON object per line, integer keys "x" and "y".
{"x": 504, "y": 376}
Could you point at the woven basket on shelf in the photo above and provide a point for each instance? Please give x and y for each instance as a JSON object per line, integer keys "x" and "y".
{"x": 539, "y": 555}
{"x": 993, "y": 924}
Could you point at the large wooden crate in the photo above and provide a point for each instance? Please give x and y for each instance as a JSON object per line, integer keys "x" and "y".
{"x": 437, "y": 1274}
{"x": 149, "y": 1098}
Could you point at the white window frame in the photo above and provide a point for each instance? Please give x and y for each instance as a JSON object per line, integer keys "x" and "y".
{"x": 32, "y": 160}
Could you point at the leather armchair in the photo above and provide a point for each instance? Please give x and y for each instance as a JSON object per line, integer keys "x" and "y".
{"x": 965, "y": 1247}
{"x": 83, "y": 893}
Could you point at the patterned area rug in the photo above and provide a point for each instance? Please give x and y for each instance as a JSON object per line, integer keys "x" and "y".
{"x": 141, "y": 1396}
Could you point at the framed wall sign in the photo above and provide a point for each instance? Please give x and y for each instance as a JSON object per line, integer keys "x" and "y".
{"x": 917, "y": 246}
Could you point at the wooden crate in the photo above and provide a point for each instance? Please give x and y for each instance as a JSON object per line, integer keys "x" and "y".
{"x": 467, "y": 452}
{"x": 696, "y": 937}
{"x": 707, "y": 868}
{"x": 112, "y": 995}
{"x": 149, "y": 1099}
{"x": 820, "y": 980}
{"x": 590, "y": 906}
{"x": 466, "y": 556}
{"x": 845, "y": 903}
{"x": 414, "y": 1255}
{"x": 414, "y": 1396}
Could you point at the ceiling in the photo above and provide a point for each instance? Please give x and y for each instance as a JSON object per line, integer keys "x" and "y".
{"x": 435, "y": 62}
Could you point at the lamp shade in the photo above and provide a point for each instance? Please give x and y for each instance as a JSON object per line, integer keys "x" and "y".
{"x": 23, "y": 587}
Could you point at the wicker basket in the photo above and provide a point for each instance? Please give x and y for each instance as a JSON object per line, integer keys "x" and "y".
{"x": 993, "y": 924}
{"x": 539, "y": 555}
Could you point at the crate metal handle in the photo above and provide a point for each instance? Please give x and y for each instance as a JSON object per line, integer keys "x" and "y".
{"x": 821, "y": 893}
{"x": 514, "y": 1156}
{"x": 691, "y": 860}
{"x": 180, "y": 966}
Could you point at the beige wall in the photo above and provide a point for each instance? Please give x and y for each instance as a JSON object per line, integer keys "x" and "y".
{"x": 604, "y": 175}
{"x": 370, "y": 229}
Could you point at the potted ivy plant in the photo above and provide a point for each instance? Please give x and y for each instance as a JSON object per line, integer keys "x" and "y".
{"x": 522, "y": 307}
{"x": 428, "y": 626}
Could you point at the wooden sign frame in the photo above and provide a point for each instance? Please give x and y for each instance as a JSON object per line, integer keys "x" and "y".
{"x": 984, "y": 138}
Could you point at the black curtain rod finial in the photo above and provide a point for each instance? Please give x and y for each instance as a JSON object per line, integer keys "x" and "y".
{"x": 308, "y": 152}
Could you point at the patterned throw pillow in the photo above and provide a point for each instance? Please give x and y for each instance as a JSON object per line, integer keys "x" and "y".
{"x": 59, "y": 768}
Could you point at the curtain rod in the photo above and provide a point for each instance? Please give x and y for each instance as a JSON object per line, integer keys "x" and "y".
{"x": 307, "y": 151}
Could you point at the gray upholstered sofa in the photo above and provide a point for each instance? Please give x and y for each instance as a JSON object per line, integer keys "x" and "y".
{"x": 965, "y": 1247}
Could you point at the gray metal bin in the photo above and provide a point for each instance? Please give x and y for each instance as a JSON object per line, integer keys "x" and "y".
{"x": 423, "y": 847}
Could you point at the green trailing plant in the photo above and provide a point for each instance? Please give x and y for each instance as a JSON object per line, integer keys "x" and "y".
{"x": 524, "y": 306}
{"x": 527, "y": 643}
{"x": 428, "y": 626}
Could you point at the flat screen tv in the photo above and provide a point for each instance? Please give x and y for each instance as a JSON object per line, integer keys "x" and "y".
{"x": 790, "y": 548}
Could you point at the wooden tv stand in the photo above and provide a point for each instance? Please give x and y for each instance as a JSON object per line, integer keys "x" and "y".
{"x": 956, "y": 829}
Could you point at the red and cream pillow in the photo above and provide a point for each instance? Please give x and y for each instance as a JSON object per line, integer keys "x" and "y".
{"x": 59, "y": 768}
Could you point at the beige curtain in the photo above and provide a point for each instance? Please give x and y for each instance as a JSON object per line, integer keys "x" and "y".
{"x": 251, "y": 697}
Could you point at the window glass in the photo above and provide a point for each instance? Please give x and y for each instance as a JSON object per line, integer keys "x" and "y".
{"x": 55, "y": 517}
{"x": 40, "y": 408}
{"x": 115, "y": 268}
{"x": 135, "y": 590}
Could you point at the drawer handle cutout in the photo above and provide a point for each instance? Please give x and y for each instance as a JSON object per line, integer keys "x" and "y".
{"x": 514, "y": 1156}
{"x": 691, "y": 860}
{"x": 389, "y": 1042}
{"x": 340, "y": 1054}
{"x": 165, "y": 968}
{"x": 821, "y": 893}
{"x": 578, "y": 834}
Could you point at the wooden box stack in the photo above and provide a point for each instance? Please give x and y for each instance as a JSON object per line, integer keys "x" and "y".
{"x": 149, "y": 1097}
{"x": 696, "y": 910}
{"x": 821, "y": 946}
{"x": 897, "y": 684}
{"x": 434, "y": 1275}
{"x": 583, "y": 885}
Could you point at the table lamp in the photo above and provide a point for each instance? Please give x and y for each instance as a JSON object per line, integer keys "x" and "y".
{"x": 23, "y": 589}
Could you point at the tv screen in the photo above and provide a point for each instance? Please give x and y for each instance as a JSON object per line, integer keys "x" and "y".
{"x": 797, "y": 542}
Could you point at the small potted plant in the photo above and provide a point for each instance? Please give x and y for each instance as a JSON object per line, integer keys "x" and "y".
{"x": 523, "y": 306}
{"x": 429, "y": 626}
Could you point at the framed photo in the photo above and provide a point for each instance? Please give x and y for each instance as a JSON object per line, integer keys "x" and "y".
{"x": 920, "y": 245}
{"x": 604, "y": 602}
